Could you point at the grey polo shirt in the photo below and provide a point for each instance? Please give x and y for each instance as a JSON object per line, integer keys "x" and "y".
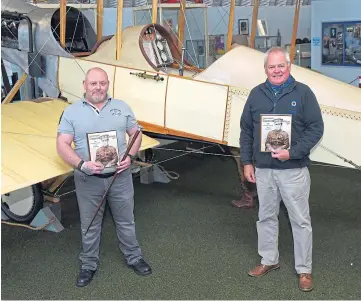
{"x": 82, "y": 118}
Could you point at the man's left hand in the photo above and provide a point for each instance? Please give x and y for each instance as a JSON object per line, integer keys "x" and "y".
{"x": 123, "y": 165}
{"x": 282, "y": 154}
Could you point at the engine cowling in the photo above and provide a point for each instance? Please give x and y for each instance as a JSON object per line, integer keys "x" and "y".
{"x": 19, "y": 20}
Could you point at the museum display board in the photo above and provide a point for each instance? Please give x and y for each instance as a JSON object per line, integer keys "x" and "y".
{"x": 341, "y": 43}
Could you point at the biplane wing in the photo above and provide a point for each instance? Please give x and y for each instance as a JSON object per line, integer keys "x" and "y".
{"x": 340, "y": 102}
{"x": 28, "y": 143}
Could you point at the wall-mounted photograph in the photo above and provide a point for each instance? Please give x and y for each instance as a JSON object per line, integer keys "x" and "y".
{"x": 243, "y": 26}
{"x": 216, "y": 45}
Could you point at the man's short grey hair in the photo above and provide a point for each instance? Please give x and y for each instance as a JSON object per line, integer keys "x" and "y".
{"x": 277, "y": 49}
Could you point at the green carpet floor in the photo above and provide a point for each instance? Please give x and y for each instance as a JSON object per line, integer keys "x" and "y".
{"x": 198, "y": 245}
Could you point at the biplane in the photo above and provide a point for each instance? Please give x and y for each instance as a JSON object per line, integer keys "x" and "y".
{"x": 172, "y": 98}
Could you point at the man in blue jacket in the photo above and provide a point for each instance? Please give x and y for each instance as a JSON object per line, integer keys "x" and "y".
{"x": 282, "y": 173}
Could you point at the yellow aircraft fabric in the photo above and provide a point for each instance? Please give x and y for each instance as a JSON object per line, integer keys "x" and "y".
{"x": 28, "y": 143}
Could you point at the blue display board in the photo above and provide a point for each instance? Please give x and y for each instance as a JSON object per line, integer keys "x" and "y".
{"x": 341, "y": 43}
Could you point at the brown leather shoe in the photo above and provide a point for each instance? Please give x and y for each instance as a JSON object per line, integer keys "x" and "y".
{"x": 247, "y": 201}
{"x": 263, "y": 269}
{"x": 305, "y": 282}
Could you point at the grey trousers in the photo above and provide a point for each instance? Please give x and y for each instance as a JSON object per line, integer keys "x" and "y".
{"x": 89, "y": 192}
{"x": 292, "y": 186}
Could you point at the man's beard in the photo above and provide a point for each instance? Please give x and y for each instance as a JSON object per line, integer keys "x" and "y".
{"x": 97, "y": 98}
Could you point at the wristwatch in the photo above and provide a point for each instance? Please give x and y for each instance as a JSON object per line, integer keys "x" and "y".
{"x": 80, "y": 164}
{"x": 132, "y": 158}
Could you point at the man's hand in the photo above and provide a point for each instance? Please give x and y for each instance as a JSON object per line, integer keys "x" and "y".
{"x": 249, "y": 173}
{"x": 281, "y": 154}
{"x": 91, "y": 168}
{"x": 269, "y": 147}
{"x": 123, "y": 165}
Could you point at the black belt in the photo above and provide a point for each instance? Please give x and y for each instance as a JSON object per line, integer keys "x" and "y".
{"x": 105, "y": 175}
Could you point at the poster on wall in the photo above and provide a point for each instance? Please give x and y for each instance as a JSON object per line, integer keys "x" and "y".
{"x": 243, "y": 26}
{"x": 216, "y": 45}
{"x": 341, "y": 43}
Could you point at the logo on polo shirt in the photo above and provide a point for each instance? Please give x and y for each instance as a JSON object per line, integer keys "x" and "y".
{"x": 116, "y": 112}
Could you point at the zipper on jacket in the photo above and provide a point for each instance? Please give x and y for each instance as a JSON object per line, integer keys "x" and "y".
{"x": 274, "y": 98}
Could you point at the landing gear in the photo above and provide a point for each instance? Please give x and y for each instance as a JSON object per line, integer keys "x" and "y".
{"x": 23, "y": 204}
{"x": 148, "y": 155}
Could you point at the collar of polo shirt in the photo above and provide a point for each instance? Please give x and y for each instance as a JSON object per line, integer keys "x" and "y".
{"x": 85, "y": 102}
{"x": 109, "y": 98}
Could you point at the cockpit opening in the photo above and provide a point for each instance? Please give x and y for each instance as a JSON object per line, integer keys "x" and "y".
{"x": 79, "y": 36}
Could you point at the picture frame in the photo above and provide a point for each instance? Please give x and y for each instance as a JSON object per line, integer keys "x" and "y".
{"x": 103, "y": 148}
{"x": 276, "y": 132}
{"x": 243, "y": 26}
{"x": 216, "y": 45}
{"x": 341, "y": 44}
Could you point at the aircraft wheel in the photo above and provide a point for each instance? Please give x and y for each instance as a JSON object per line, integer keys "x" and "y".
{"x": 23, "y": 204}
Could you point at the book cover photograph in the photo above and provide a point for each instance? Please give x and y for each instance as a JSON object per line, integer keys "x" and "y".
{"x": 275, "y": 132}
{"x": 103, "y": 148}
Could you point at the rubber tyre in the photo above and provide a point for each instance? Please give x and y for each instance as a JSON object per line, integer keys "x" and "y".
{"x": 37, "y": 205}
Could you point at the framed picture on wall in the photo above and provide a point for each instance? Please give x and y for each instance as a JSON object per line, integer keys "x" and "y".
{"x": 216, "y": 45}
{"x": 243, "y": 26}
{"x": 341, "y": 43}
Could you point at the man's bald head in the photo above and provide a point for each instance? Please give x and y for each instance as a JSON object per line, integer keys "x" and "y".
{"x": 95, "y": 72}
{"x": 96, "y": 85}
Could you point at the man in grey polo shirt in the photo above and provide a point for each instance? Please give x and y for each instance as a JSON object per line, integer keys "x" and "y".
{"x": 86, "y": 123}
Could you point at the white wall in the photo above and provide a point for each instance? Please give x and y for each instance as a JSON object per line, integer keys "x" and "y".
{"x": 326, "y": 11}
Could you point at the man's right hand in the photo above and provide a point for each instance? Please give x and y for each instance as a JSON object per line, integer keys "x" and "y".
{"x": 91, "y": 168}
{"x": 249, "y": 173}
